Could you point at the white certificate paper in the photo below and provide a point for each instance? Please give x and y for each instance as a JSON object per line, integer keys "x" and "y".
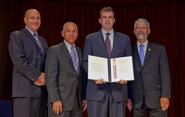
{"x": 120, "y": 68}
{"x": 97, "y": 68}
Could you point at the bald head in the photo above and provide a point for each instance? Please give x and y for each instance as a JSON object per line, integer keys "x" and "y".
{"x": 29, "y": 11}
{"x": 32, "y": 19}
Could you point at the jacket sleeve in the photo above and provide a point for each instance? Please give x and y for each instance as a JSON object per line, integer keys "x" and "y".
{"x": 164, "y": 73}
{"x": 51, "y": 70}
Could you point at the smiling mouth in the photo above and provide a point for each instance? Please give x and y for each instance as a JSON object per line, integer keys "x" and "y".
{"x": 140, "y": 34}
{"x": 35, "y": 25}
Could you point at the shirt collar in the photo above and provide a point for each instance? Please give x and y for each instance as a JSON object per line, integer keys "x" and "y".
{"x": 104, "y": 32}
{"x": 145, "y": 43}
{"x": 30, "y": 31}
{"x": 68, "y": 45}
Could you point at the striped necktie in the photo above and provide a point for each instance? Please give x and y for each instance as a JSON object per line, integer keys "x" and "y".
{"x": 74, "y": 58}
{"x": 38, "y": 41}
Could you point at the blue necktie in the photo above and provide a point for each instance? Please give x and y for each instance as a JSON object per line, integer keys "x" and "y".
{"x": 141, "y": 53}
{"x": 107, "y": 43}
{"x": 74, "y": 58}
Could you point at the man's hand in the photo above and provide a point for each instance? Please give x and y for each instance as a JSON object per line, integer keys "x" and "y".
{"x": 38, "y": 83}
{"x": 57, "y": 107}
{"x": 84, "y": 105}
{"x": 164, "y": 103}
{"x": 41, "y": 80}
{"x": 129, "y": 104}
{"x": 122, "y": 82}
{"x": 100, "y": 81}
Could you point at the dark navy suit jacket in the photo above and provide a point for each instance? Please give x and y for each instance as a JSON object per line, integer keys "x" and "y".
{"x": 152, "y": 79}
{"x": 28, "y": 63}
{"x": 95, "y": 45}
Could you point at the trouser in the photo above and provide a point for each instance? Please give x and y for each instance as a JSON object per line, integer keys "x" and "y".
{"x": 26, "y": 107}
{"x": 106, "y": 108}
{"x": 157, "y": 112}
{"x": 75, "y": 112}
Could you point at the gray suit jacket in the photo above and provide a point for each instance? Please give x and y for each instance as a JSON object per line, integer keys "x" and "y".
{"x": 153, "y": 79}
{"x": 28, "y": 63}
{"x": 62, "y": 81}
{"x": 95, "y": 45}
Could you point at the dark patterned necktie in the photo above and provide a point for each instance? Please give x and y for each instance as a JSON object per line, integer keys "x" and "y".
{"x": 107, "y": 43}
{"x": 38, "y": 41}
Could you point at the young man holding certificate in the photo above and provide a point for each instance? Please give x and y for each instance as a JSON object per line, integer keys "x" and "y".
{"x": 106, "y": 99}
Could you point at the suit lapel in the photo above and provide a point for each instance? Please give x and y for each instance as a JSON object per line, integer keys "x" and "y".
{"x": 115, "y": 45}
{"x": 101, "y": 41}
{"x": 28, "y": 34}
{"x": 136, "y": 55}
{"x": 79, "y": 55}
{"x": 68, "y": 56}
{"x": 148, "y": 53}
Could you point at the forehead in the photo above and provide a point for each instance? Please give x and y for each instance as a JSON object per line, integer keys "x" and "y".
{"x": 107, "y": 13}
{"x": 70, "y": 26}
{"x": 141, "y": 24}
{"x": 32, "y": 13}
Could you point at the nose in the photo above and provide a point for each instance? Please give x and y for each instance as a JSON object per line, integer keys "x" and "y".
{"x": 107, "y": 19}
{"x": 140, "y": 30}
{"x": 71, "y": 33}
{"x": 36, "y": 19}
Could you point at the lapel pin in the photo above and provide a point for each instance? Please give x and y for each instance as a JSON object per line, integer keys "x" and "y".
{"x": 149, "y": 49}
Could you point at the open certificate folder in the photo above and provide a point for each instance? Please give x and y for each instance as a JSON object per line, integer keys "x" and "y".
{"x": 120, "y": 68}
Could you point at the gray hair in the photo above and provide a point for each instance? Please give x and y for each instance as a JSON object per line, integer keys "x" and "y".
{"x": 69, "y": 23}
{"x": 143, "y": 20}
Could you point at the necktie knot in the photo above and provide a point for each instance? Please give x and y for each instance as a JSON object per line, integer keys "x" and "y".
{"x": 107, "y": 34}
{"x": 72, "y": 47}
{"x": 35, "y": 35}
{"x": 141, "y": 46}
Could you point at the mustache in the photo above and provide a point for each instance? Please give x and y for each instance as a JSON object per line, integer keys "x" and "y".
{"x": 141, "y": 33}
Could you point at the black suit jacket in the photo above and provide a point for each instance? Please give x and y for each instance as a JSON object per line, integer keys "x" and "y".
{"x": 28, "y": 63}
{"x": 152, "y": 79}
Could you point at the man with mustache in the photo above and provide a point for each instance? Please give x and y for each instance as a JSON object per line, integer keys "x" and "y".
{"x": 150, "y": 91}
